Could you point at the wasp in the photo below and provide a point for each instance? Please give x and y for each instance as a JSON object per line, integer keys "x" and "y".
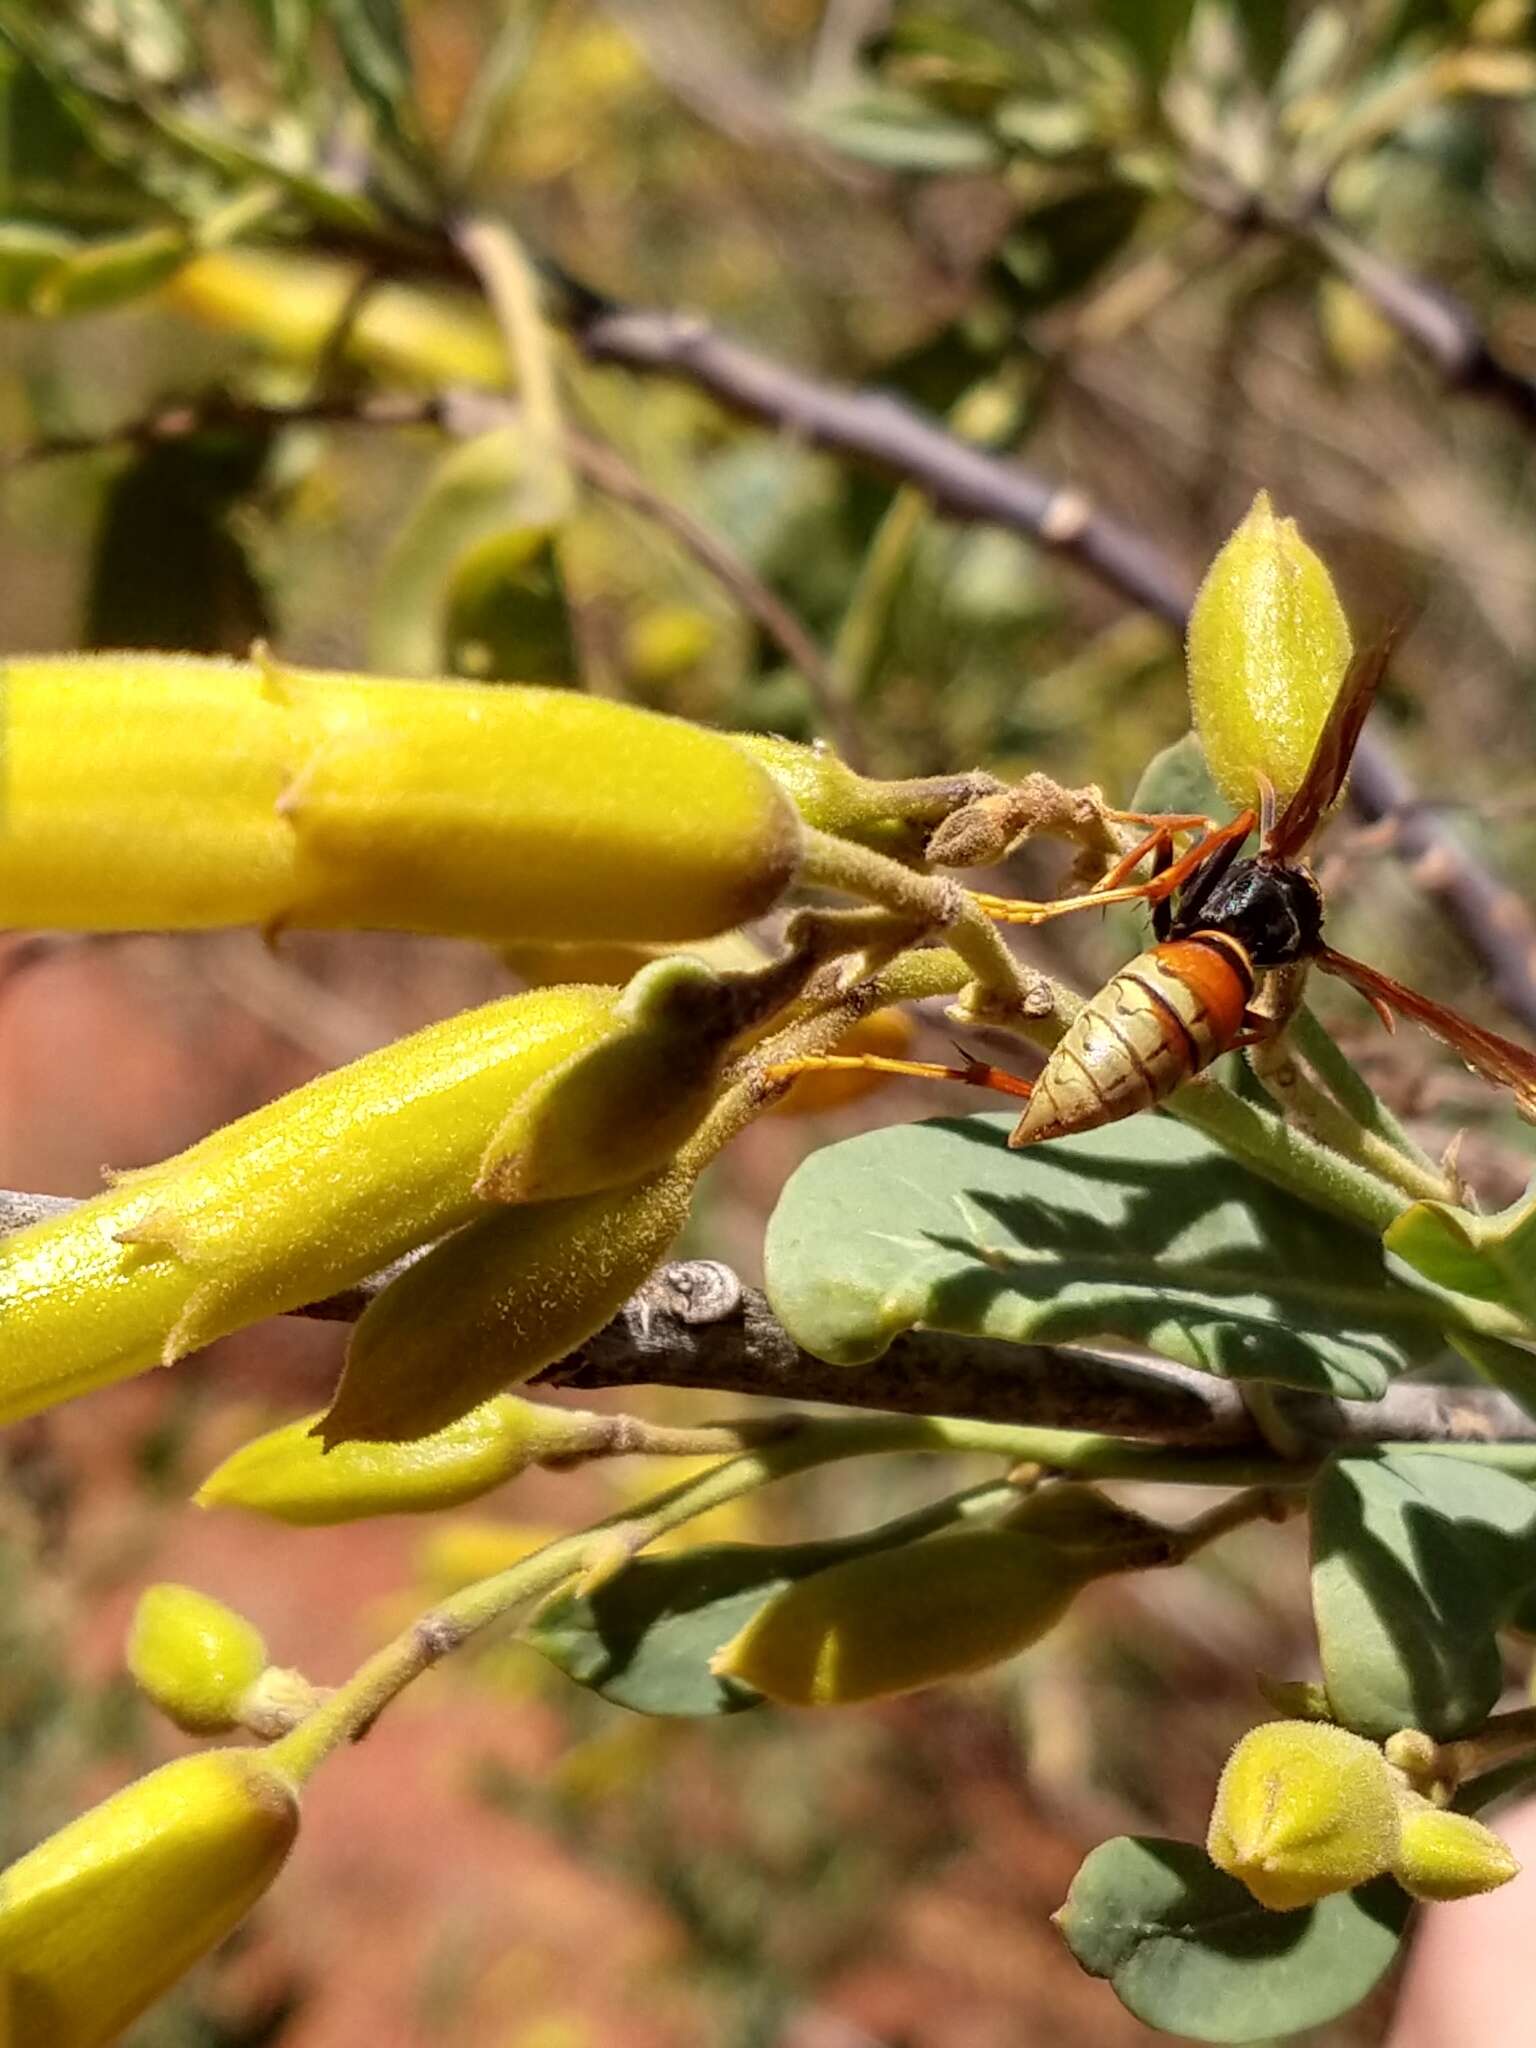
{"x": 1220, "y": 921}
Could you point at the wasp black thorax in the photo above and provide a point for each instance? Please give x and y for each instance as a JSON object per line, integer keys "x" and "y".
{"x": 1274, "y": 912}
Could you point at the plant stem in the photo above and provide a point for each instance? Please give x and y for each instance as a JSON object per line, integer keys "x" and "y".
{"x": 1339, "y": 1077}
{"x": 934, "y": 903}
{"x": 1322, "y": 1118}
{"x": 351, "y": 1710}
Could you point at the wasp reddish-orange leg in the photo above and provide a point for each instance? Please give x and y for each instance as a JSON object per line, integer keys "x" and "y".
{"x": 1113, "y": 888}
{"x": 975, "y": 1073}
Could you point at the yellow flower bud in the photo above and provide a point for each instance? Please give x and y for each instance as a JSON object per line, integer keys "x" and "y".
{"x": 496, "y": 1303}
{"x": 616, "y": 1111}
{"x": 194, "y": 1657}
{"x": 305, "y": 1196}
{"x": 234, "y": 793}
{"x": 295, "y": 305}
{"x": 104, "y": 1916}
{"x": 289, "y": 1475}
{"x": 1268, "y": 647}
{"x": 1303, "y": 1809}
{"x": 1445, "y": 1855}
{"x": 895, "y": 1620}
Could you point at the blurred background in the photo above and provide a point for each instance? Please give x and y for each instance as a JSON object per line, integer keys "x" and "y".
{"x": 1164, "y": 254}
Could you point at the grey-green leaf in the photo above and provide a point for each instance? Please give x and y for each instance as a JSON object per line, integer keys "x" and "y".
{"x": 1491, "y": 1257}
{"x": 900, "y": 133}
{"x": 1188, "y": 1949}
{"x": 1417, "y": 1558}
{"x": 644, "y": 1639}
{"x": 1177, "y": 779}
{"x": 1144, "y": 1231}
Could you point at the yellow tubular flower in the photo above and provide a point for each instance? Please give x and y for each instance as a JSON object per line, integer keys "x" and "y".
{"x": 104, "y": 1916}
{"x": 307, "y": 1195}
{"x": 147, "y": 792}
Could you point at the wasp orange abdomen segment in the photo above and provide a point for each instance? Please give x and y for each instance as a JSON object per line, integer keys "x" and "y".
{"x": 1166, "y": 1015}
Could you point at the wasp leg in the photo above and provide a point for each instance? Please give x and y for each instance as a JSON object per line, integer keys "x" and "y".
{"x": 1018, "y": 910}
{"x": 976, "y": 1073}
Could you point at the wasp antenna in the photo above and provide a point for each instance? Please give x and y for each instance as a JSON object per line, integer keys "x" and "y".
{"x": 1268, "y": 808}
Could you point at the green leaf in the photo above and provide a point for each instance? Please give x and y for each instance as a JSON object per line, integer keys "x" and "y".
{"x": 1491, "y": 1257}
{"x": 100, "y": 275}
{"x": 901, "y": 133}
{"x": 1058, "y": 249}
{"x": 644, "y": 1639}
{"x": 1188, "y": 1949}
{"x": 28, "y": 256}
{"x": 1416, "y": 1559}
{"x": 1266, "y": 31}
{"x": 1177, "y": 779}
{"x": 488, "y": 494}
{"x": 1152, "y": 30}
{"x": 168, "y": 570}
{"x": 1144, "y": 1231}
{"x": 507, "y": 617}
{"x": 372, "y": 40}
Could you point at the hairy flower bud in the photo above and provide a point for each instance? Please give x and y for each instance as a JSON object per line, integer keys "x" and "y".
{"x": 496, "y": 1303}
{"x": 309, "y": 1194}
{"x": 895, "y": 1620}
{"x": 616, "y": 1111}
{"x": 195, "y": 1658}
{"x": 1444, "y": 1855}
{"x": 104, "y": 1916}
{"x": 1268, "y": 647}
{"x": 1303, "y": 1809}
{"x": 289, "y": 1475}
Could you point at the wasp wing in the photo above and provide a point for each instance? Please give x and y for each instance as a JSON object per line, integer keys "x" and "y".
{"x": 1334, "y": 750}
{"x": 1497, "y": 1059}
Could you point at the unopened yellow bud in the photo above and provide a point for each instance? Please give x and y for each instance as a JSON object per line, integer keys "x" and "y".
{"x": 496, "y": 1303}
{"x": 616, "y": 1111}
{"x": 1445, "y": 1855}
{"x": 895, "y": 1620}
{"x": 289, "y": 1475}
{"x": 104, "y": 1916}
{"x": 1268, "y": 647}
{"x": 195, "y": 1658}
{"x": 1303, "y": 1809}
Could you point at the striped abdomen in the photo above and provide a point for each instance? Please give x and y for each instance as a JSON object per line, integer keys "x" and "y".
{"x": 1172, "y": 1011}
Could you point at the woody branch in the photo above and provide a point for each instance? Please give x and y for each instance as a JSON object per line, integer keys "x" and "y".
{"x": 695, "y": 1325}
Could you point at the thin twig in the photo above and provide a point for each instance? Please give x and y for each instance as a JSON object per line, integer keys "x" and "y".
{"x": 694, "y": 1325}
{"x": 607, "y": 471}
{"x": 465, "y": 413}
